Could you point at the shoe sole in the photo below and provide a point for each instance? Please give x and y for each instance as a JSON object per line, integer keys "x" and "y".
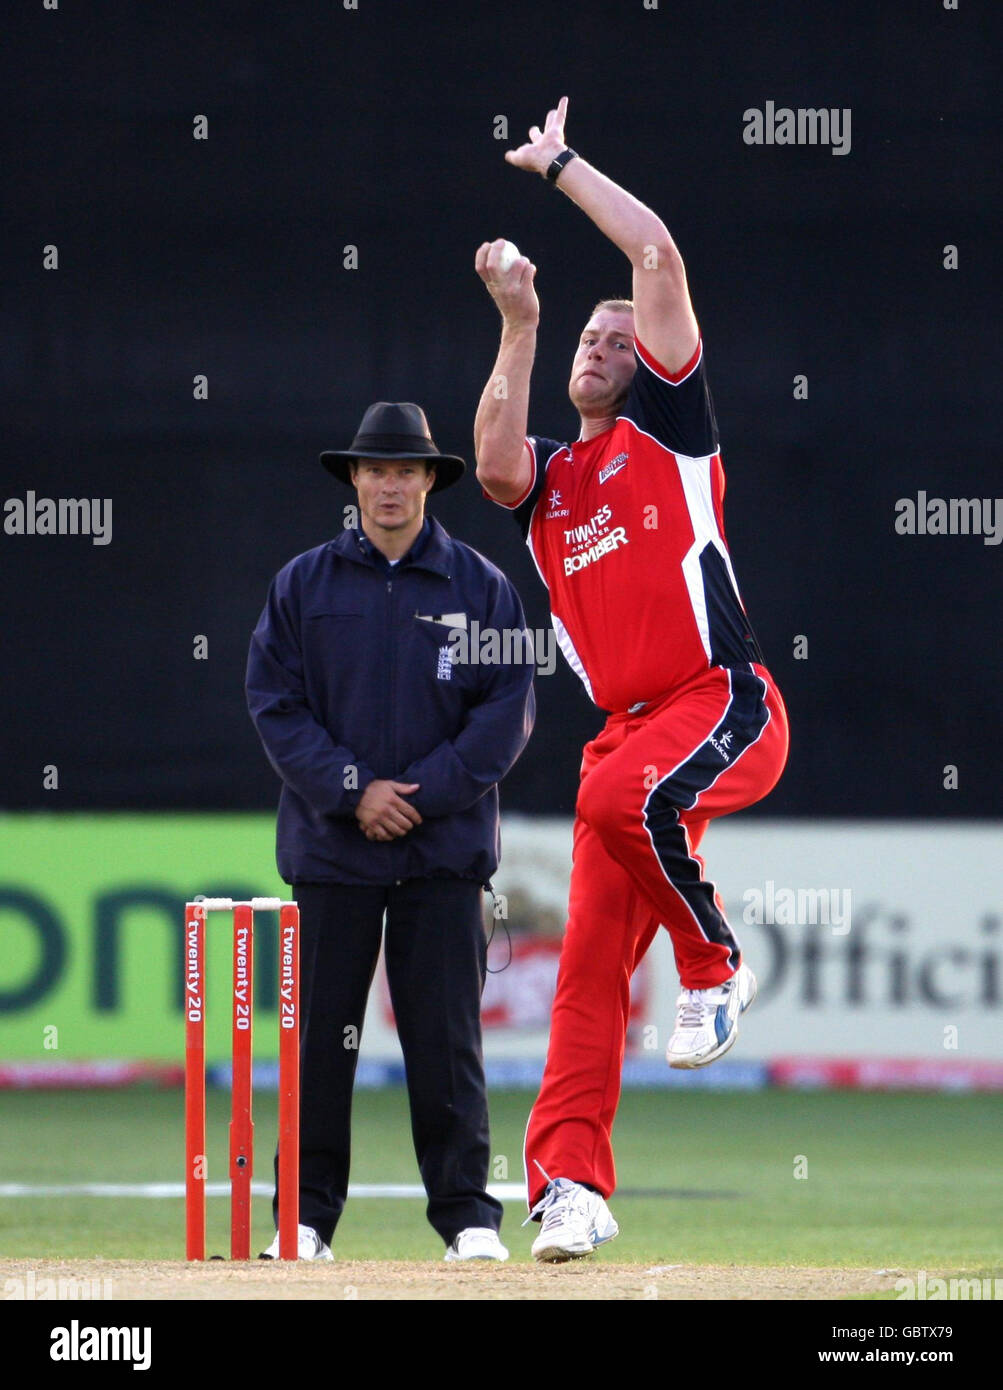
{"x": 691, "y": 1063}
{"x": 562, "y": 1254}
{"x": 475, "y": 1259}
{"x": 326, "y": 1258}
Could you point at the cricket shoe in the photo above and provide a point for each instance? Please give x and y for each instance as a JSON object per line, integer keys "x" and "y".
{"x": 310, "y": 1247}
{"x": 574, "y": 1221}
{"x": 476, "y": 1243}
{"x": 707, "y": 1020}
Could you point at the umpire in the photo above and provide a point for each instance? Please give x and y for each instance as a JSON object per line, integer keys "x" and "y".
{"x": 390, "y": 751}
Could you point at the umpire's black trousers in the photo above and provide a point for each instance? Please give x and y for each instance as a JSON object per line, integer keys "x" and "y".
{"x": 435, "y": 954}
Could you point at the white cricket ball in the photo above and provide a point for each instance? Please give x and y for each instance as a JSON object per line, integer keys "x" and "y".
{"x": 507, "y": 256}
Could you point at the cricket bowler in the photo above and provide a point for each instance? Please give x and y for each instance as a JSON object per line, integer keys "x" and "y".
{"x": 626, "y": 527}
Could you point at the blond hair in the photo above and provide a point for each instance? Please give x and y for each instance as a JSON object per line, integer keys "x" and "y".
{"x": 617, "y": 306}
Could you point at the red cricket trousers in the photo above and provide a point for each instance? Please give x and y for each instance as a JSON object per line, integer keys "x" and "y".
{"x": 650, "y": 782}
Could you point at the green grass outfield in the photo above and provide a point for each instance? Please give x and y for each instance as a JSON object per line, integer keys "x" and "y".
{"x": 905, "y": 1181}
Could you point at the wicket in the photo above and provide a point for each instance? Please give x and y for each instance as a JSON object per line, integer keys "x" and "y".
{"x": 241, "y": 1121}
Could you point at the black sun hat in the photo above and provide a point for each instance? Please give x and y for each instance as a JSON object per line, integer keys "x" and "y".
{"x": 395, "y": 430}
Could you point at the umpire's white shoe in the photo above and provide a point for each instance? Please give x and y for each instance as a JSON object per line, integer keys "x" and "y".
{"x": 575, "y": 1221}
{"x": 476, "y": 1243}
{"x": 310, "y": 1247}
{"x": 707, "y": 1020}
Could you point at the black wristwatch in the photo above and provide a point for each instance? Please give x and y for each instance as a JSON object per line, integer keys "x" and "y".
{"x": 557, "y": 164}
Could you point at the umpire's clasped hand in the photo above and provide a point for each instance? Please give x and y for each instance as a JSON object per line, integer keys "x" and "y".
{"x": 382, "y": 812}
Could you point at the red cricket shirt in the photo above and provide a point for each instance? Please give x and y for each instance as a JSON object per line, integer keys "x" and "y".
{"x": 627, "y": 532}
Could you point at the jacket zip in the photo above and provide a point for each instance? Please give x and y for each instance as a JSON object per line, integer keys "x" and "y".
{"x": 393, "y": 676}
{"x": 394, "y": 848}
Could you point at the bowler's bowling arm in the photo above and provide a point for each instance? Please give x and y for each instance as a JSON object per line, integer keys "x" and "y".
{"x": 504, "y": 461}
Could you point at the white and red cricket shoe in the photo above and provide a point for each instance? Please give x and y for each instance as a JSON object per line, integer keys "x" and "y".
{"x": 574, "y": 1221}
{"x": 707, "y": 1020}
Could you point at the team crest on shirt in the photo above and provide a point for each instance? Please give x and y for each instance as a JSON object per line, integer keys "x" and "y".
{"x": 614, "y": 466}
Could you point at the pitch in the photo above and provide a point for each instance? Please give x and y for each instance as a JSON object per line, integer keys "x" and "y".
{"x": 772, "y": 1194}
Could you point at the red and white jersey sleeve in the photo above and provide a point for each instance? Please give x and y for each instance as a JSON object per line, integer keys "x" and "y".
{"x": 627, "y": 531}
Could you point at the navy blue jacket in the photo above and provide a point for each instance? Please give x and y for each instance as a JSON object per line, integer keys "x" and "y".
{"x": 349, "y": 679}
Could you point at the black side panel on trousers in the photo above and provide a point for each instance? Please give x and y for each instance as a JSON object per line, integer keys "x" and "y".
{"x": 739, "y": 727}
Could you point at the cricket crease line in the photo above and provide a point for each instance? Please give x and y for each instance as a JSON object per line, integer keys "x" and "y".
{"x": 505, "y": 1192}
